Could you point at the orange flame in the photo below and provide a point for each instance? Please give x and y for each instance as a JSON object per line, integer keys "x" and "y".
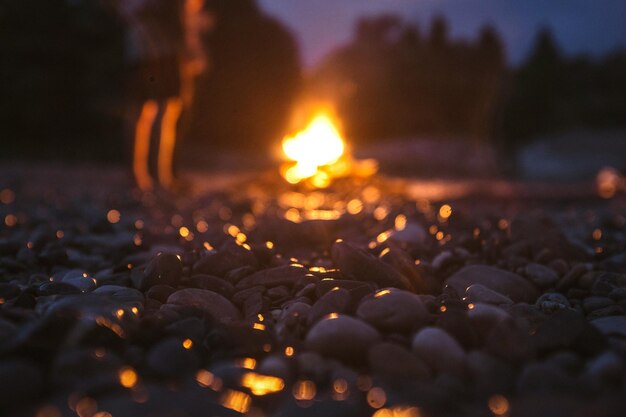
{"x": 319, "y": 145}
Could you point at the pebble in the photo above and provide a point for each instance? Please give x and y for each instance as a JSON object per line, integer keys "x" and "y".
{"x": 412, "y": 232}
{"x": 78, "y": 279}
{"x": 163, "y": 269}
{"x": 362, "y": 266}
{"x": 215, "y": 284}
{"x": 611, "y": 326}
{"x": 571, "y": 278}
{"x": 420, "y": 281}
{"x": 567, "y": 329}
{"x": 541, "y": 275}
{"x": 334, "y": 301}
{"x": 595, "y": 303}
{"x": 544, "y": 378}
{"x": 57, "y": 288}
{"x": 342, "y": 337}
{"x": 396, "y": 364}
{"x": 485, "y": 317}
{"x": 477, "y": 293}
{"x": 124, "y": 295}
{"x": 440, "y": 351}
{"x": 241, "y": 309}
{"x": 274, "y": 277}
{"x": 212, "y": 303}
{"x": 230, "y": 257}
{"x": 489, "y": 374}
{"x": 169, "y": 358}
{"x": 605, "y": 369}
{"x": 391, "y": 309}
{"x": 160, "y": 292}
{"x": 498, "y": 280}
{"x": 552, "y": 302}
{"x": 612, "y": 310}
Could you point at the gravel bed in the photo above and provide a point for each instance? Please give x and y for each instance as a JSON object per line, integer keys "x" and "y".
{"x": 268, "y": 300}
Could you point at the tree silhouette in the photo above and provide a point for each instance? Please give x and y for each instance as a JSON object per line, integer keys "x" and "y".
{"x": 254, "y": 76}
{"x": 438, "y": 37}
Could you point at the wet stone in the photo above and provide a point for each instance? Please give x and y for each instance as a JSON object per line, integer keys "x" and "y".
{"x": 552, "y": 302}
{"x": 228, "y": 258}
{"x": 456, "y": 322}
{"x": 78, "y": 279}
{"x": 612, "y": 310}
{"x": 541, "y": 275}
{"x": 498, "y": 280}
{"x": 571, "y": 277}
{"x": 274, "y": 277}
{"x": 169, "y": 358}
{"x": 190, "y": 327}
{"x": 254, "y": 304}
{"x": 439, "y": 350}
{"x": 611, "y": 326}
{"x": 618, "y": 294}
{"x": 82, "y": 369}
{"x": 334, "y": 301}
{"x": 278, "y": 293}
{"x": 605, "y": 369}
{"x": 545, "y": 378}
{"x": 53, "y": 288}
{"x": 342, "y": 337}
{"x": 241, "y": 296}
{"x": 362, "y": 266}
{"x": 477, "y": 293}
{"x": 595, "y": 303}
{"x": 485, "y": 317}
{"x": 212, "y": 303}
{"x": 394, "y": 310}
{"x": 357, "y": 289}
{"x": 489, "y": 374}
{"x": 164, "y": 269}
{"x": 396, "y": 364}
{"x": 160, "y": 292}
{"x": 124, "y": 295}
{"x": 420, "y": 281}
{"x": 567, "y": 330}
{"x": 215, "y": 284}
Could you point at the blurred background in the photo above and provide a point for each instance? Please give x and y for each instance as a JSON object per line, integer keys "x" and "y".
{"x": 533, "y": 89}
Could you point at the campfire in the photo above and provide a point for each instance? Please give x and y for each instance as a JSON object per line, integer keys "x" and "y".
{"x": 318, "y": 154}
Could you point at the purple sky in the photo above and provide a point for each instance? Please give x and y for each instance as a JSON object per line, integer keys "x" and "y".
{"x": 593, "y": 26}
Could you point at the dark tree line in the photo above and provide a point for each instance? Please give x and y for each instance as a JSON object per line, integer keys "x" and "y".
{"x": 550, "y": 93}
{"x": 245, "y": 98}
{"x": 393, "y": 80}
{"x": 64, "y": 93}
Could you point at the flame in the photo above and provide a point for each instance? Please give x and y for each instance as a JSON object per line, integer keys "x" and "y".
{"x": 319, "y": 145}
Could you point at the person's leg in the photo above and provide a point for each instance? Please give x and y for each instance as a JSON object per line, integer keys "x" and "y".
{"x": 167, "y": 143}
{"x": 143, "y": 131}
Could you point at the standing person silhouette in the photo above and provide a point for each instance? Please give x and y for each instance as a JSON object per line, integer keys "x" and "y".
{"x": 166, "y": 55}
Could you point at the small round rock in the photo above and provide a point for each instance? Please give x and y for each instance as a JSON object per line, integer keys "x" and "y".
{"x": 342, "y": 337}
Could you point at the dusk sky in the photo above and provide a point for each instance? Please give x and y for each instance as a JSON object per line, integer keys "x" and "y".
{"x": 580, "y": 26}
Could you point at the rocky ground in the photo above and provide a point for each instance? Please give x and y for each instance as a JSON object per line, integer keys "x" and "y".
{"x": 272, "y": 301}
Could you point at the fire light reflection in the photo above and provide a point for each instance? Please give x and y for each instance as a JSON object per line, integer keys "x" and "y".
{"x": 262, "y": 384}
